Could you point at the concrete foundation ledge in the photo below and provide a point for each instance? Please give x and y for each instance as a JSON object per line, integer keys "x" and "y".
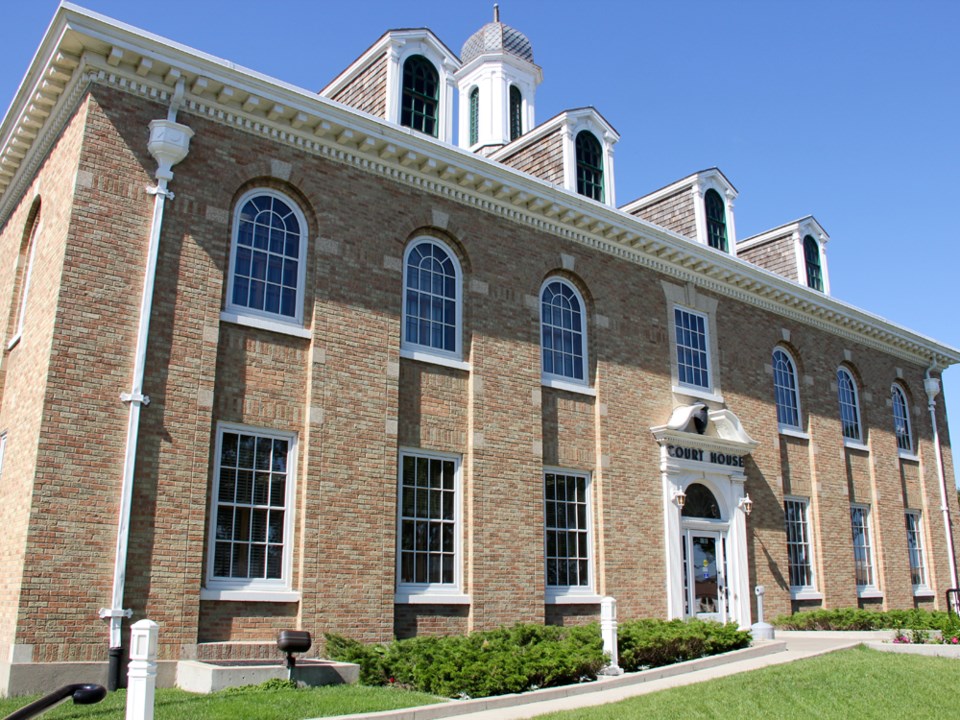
{"x": 32, "y": 678}
{"x": 496, "y": 702}
{"x": 930, "y": 650}
{"x": 207, "y": 677}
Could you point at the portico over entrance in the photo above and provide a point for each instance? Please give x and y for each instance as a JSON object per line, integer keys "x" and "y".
{"x": 705, "y": 506}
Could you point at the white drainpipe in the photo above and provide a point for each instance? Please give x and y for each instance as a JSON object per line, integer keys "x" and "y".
{"x": 169, "y": 143}
{"x": 932, "y": 387}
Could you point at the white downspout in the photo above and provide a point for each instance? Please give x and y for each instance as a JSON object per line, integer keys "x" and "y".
{"x": 169, "y": 143}
{"x": 932, "y": 387}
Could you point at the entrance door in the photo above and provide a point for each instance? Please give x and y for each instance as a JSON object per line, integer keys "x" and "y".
{"x": 704, "y": 575}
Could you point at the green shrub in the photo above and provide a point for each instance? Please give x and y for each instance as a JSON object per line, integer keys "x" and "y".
{"x": 652, "y": 643}
{"x": 856, "y": 619}
{"x": 506, "y": 660}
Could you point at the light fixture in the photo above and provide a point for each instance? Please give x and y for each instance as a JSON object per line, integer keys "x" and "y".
{"x": 746, "y": 504}
{"x": 681, "y": 497}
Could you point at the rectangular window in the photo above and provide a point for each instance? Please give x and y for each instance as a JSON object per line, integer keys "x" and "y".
{"x": 567, "y": 527}
{"x": 798, "y": 545}
{"x": 693, "y": 362}
{"x": 862, "y": 548}
{"x": 918, "y": 560}
{"x": 429, "y": 524}
{"x": 251, "y": 520}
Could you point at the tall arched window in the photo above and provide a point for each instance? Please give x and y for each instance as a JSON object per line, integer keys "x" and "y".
{"x": 589, "y": 166}
{"x": 516, "y": 113}
{"x": 21, "y": 279}
{"x": 901, "y": 419}
{"x": 431, "y": 300}
{"x": 849, "y": 405}
{"x": 562, "y": 332}
{"x": 785, "y": 389}
{"x": 421, "y": 95}
{"x": 811, "y": 256}
{"x": 474, "y": 116}
{"x": 268, "y": 257}
{"x": 716, "y": 220}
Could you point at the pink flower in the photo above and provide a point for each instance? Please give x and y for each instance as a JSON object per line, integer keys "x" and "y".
{"x": 955, "y": 640}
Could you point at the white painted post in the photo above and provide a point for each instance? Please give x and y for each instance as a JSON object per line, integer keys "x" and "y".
{"x": 761, "y": 630}
{"x": 608, "y": 631}
{"x": 142, "y": 672}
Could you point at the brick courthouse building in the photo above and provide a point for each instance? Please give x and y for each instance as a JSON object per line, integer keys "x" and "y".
{"x": 277, "y": 359}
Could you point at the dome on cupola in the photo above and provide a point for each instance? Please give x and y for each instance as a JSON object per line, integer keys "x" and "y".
{"x": 496, "y": 37}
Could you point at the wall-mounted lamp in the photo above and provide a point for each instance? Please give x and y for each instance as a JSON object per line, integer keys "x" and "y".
{"x": 746, "y": 504}
{"x": 681, "y": 497}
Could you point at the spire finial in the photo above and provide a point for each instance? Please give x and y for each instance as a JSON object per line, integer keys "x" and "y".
{"x": 496, "y": 12}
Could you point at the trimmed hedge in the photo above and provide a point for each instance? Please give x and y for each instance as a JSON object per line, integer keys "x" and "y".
{"x": 652, "y": 643}
{"x": 526, "y": 657}
{"x": 856, "y": 619}
{"x": 496, "y": 662}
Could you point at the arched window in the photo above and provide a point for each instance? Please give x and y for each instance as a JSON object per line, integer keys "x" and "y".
{"x": 849, "y": 405}
{"x": 268, "y": 257}
{"x": 21, "y": 279}
{"x": 421, "y": 95}
{"x": 901, "y": 419}
{"x": 700, "y": 502}
{"x": 716, "y": 220}
{"x": 516, "y": 113}
{"x": 811, "y": 255}
{"x": 785, "y": 389}
{"x": 562, "y": 332}
{"x": 431, "y": 300}
{"x": 474, "y": 116}
{"x": 589, "y": 166}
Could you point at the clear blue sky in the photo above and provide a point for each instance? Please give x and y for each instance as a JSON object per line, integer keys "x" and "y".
{"x": 845, "y": 109}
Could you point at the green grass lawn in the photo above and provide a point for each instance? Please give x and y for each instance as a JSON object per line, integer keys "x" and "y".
{"x": 846, "y": 685}
{"x": 175, "y": 704}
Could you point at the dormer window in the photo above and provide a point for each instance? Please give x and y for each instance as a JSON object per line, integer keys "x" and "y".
{"x": 811, "y": 256}
{"x": 716, "y": 220}
{"x": 421, "y": 95}
{"x": 589, "y": 166}
{"x": 516, "y": 113}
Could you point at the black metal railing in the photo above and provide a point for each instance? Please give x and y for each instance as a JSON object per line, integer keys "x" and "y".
{"x": 81, "y": 695}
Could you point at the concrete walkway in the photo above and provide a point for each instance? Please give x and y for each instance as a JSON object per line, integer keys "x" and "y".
{"x": 787, "y": 647}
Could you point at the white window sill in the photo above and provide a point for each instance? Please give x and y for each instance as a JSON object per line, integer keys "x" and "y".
{"x": 572, "y": 599}
{"x": 403, "y": 597}
{"x": 700, "y": 394}
{"x": 568, "y": 386}
{"x": 906, "y": 455}
{"x": 794, "y": 432}
{"x": 921, "y": 591}
{"x": 261, "y": 323}
{"x": 806, "y": 595}
{"x": 13, "y": 341}
{"x": 869, "y": 592}
{"x": 428, "y": 357}
{"x": 277, "y": 596}
{"x": 855, "y": 445}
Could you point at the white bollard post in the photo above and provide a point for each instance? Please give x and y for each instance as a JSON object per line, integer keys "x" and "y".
{"x": 142, "y": 672}
{"x": 761, "y": 630}
{"x": 608, "y": 631}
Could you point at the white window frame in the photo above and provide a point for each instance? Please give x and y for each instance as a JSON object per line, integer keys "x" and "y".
{"x": 420, "y": 351}
{"x": 253, "y": 589}
{"x": 27, "y": 271}
{"x": 856, "y": 442}
{"x": 791, "y": 428}
{"x": 921, "y": 589}
{"x": 556, "y": 380}
{"x": 707, "y": 366}
{"x": 569, "y": 594}
{"x": 432, "y": 593}
{"x": 688, "y": 299}
{"x": 897, "y": 392}
{"x": 808, "y": 591}
{"x": 871, "y": 589}
{"x": 243, "y": 315}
